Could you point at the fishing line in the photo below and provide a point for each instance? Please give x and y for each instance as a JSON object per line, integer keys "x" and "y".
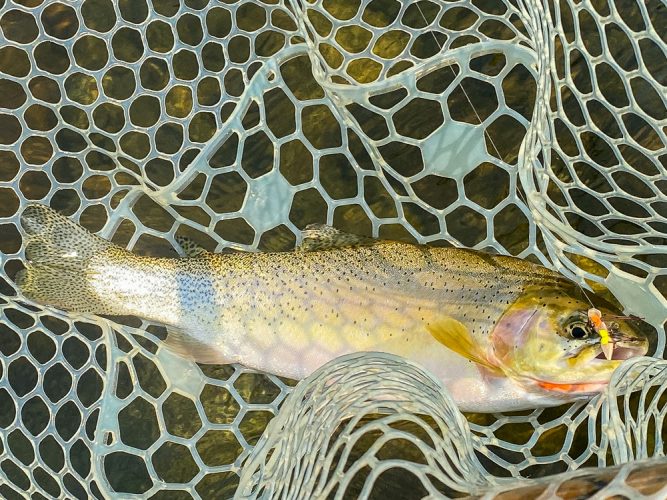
{"x": 632, "y": 317}
{"x": 486, "y": 133}
{"x": 585, "y": 294}
{"x": 472, "y": 106}
{"x": 460, "y": 85}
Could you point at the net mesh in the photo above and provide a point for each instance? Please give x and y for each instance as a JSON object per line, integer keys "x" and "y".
{"x": 364, "y": 423}
{"x": 535, "y": 129}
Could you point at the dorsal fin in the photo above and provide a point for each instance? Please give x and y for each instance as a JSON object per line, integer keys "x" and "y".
{"x": 323, "y": 237}
{"x": 190, "y": 248}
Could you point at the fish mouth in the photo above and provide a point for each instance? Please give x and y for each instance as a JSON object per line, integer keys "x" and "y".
{"x": 621, "y": 353}
{"x": 626, "y": 346}
{"x": 592, "y": 353}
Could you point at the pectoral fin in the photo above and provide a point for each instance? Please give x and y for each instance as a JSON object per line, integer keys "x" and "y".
{"x": 455, "y": 336}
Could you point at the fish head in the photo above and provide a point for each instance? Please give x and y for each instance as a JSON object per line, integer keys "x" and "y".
{"x": 546, "y": 342}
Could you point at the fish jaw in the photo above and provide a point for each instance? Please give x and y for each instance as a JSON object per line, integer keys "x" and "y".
{"x": 587, "y": 388}
{"x": 596, "y": 368}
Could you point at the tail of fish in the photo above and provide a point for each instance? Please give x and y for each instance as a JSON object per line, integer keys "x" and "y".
{"x": 58, "y": 253}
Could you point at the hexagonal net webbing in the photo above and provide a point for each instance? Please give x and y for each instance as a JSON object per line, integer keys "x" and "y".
{"x": 531, "y": 128}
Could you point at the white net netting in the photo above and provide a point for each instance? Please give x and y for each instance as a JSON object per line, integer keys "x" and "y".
{"x": 376, "y": 424}
{"x": 532, "y": 128}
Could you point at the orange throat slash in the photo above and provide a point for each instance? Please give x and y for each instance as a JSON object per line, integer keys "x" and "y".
{"x": 591, "y": 387}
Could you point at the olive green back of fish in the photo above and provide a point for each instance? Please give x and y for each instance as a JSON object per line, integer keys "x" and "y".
{"x": 461, "y": 282}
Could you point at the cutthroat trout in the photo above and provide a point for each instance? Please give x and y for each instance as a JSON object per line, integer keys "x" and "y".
{"x": 501, "y": 333}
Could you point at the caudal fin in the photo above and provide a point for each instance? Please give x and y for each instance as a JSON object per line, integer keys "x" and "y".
{"x": 58, "y": 253}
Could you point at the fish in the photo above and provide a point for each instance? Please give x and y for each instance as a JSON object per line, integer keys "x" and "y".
{"x": 500, "y": 333}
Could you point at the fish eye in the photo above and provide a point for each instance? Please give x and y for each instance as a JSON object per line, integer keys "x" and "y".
{"x": 578, "y": 332}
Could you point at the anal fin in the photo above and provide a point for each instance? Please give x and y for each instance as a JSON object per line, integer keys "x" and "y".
{"x": 185, "y": 346}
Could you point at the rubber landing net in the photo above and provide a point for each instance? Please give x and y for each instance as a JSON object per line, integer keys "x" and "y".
{"x": 529, "y": 128}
